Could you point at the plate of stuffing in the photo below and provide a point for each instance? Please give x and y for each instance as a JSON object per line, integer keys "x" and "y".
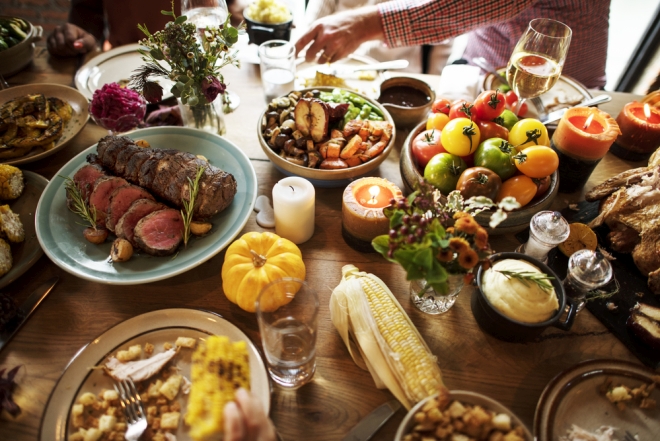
{"x": 166, "y": 353}
{"x": 600, "y": 400}
{"x": 19, "y": 248}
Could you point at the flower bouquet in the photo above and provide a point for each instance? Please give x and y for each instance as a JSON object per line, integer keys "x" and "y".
{"x": 438, "y": 243}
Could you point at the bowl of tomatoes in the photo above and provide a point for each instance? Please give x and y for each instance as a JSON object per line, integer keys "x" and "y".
{"x": 471, "y": 150}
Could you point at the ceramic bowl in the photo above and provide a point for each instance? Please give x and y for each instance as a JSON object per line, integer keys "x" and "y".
{"x": 504, "y": 328}
{"x": 328, "y": 178}
{"x": 262, "y": 32}
{"x": 465, "y": 397}
{"x": 15, "y": 58}
{"x": 516, "y": 220}
{"x": 406, "y": 117}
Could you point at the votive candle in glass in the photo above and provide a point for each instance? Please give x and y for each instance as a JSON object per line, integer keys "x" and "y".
{"x": 640, "y": 131}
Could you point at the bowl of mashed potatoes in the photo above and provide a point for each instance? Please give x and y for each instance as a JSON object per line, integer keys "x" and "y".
{"x": 510, "y": 306}
{"x": 268, "y": 20}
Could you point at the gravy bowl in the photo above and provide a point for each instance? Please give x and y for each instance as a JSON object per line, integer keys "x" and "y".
{"x": 408, "y": 100}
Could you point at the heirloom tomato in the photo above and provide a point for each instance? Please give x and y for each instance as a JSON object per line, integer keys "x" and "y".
{"x": 489, "y": 105}
{"x": 507, "y": 119}
{"x": 490, "y": 129}
{"x": 495, "y": 154}
{"x": 441, "y": 105}
{"x": 443, "y": 171}
{"x": 520, "y": 187}
{"x": 537, "y": 161}
{"x": 437, "y": 121}
{"x": 512, "y": 103}
{"x": 425, "y": 146}
{"x": 526, "y": 129}
{"x": 542, "y": 185}
{"x": 460, "y": 136}
{"x": 461, "y": 109}
{"x": 479, "y": 181}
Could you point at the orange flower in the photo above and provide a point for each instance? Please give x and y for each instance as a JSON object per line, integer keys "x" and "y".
{"x": 468, "y": 278}
{"x": 460, "y": 214}
{"x": 445, "y": 255}
{"x": 450, "y": 230}
{"x": 466, "y": 224}
{"x": 481, "y": 238}
{"x": 459, "y": 244}
{"x": 468, "y": 259}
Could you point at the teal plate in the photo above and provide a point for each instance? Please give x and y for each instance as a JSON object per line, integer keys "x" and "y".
{"x": 60, "y": 233}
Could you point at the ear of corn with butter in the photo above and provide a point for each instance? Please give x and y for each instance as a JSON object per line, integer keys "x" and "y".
{"x": 381, "y": 338}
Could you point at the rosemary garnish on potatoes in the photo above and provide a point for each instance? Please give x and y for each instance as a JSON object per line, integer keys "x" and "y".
{"x": 527, "y": 277}
{"x": 78, "y": 204}
{"x": 189, "y": 205}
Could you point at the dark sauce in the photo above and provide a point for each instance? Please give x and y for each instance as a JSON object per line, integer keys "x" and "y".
{"x": 404, "y": 96}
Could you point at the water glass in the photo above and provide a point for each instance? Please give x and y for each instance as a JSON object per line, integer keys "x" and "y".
{"x": 205, "y": 13}
{"x": 277, "y": 59}
{"x": 288, "y": 332}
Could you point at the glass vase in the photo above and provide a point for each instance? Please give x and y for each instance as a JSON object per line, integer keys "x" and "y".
{"x": 207, "y": 117}
{"x": 429, "y": 301}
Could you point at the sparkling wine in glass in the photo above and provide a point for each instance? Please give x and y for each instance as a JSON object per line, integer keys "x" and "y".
{"x": 537, "y": 60}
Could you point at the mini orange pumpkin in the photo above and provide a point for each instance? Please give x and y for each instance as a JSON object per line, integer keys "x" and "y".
{"x": 255, "y": 260}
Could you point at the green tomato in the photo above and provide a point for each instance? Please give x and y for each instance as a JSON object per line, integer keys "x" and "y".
{"x": 526, "y": 128}
{"x": 495, "y": 154}
{"x": 443, "y": 171}
{"x": 507, "y": 119}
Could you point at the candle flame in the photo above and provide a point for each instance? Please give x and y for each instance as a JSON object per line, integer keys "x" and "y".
{"x": 374, "y": 191}
{"x": 587, "y": 123}
{"x": 647, "y": 111}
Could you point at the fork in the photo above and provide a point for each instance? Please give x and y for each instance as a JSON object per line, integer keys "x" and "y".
{"x": 629, "y": 437}
{"x": 131, "y": 403}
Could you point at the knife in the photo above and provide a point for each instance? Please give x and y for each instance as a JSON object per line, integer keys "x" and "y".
{"x": 24, "y": 311}
{"x": 372, "y": 422}
{"x": 557, "y": 114}
{"x": 339, "y": 70}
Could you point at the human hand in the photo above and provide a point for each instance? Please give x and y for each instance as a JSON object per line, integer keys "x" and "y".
{"x": 69, "y": 40}
{"x": 337, "y": 36}
{"x": 245, "y": 419}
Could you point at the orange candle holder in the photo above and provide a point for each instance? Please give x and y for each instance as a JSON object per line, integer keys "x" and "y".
{"x": 362, "y": 211}
{"x": 582, "y": 138}
{"x": 640, "y": 131}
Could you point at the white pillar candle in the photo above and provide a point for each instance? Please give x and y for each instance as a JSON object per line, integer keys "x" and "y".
{"x": 293, "y": 203}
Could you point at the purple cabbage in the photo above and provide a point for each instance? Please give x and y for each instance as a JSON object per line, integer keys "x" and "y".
{"x": 118, "y": 109}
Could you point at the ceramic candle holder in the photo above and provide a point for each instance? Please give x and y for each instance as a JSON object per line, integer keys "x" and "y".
{"x": 362, "y": 211}
{"x": 583, "y": 137}
{"x": 640, "y": 131}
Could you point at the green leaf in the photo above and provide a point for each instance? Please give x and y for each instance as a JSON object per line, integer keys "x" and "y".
{"x": 381, "y": 244}
{"x": 396, "y": 219}
{"x": 156, "y": 54}
{"x": 180, "y": 19}
{"x": 179, "y": 85}
{"x": 415, "y": 273}
{"x": 424, "y": 258}
{"x": 193, "y": 100}
{"x": 170, "y": 13}
{"x": 183, "y": 79}
{"x": 438, "y": 273}
{"x": 176, "y": 92}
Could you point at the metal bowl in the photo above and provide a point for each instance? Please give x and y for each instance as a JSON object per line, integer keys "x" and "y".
{"x": 14, "y": 59}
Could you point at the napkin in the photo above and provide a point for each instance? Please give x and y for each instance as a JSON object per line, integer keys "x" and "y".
{"x": 459, "y": 81}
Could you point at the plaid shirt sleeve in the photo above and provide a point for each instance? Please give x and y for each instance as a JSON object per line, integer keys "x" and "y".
{"x": 415, "y": 22}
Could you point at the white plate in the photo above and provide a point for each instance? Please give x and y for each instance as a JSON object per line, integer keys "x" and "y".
{"x": 115, "y": 66}
{"x": 78, "y": 119}
{"x": 156, "y": 327}
{"x": 573, "y": 397}
{"x": 356, "y": 81}
{"x": 26, "y": 253}
{"x": 60, "y": 233}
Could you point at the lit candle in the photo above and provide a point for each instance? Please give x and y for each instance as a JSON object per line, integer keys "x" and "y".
{"x": 293, "y": 203}
{"x": 582, "y": 138}
{"x": 640, "y": 131}
{"x": 362, "y": 211}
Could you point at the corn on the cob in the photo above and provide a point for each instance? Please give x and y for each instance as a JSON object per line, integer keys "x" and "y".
{"x": 219, "y": 368}
{"x": 6, "y": 260}
{"x": 11, "y": 225}
{"x": 390, "y": 346}
{"x": 11, "y": 182}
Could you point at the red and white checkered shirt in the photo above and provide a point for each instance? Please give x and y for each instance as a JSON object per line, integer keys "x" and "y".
{"x": 497, "y": 25}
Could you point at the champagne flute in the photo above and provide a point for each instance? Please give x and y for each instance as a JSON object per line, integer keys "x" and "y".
{"x": 538, "y": 58}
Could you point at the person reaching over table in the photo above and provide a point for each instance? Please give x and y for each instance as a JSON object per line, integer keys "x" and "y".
{"x": 495, "y": 25}
{"x": 245, "y": 420}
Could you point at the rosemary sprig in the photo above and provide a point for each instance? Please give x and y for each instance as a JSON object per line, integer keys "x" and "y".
{"x": 527, "y": 277}
{"x": 189, "y": 205}
{"x": 78, "y": 204}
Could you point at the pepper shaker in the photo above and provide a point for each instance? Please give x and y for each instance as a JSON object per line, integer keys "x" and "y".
{"x": 547, "y": 229}
{"x": 587, "y": 270}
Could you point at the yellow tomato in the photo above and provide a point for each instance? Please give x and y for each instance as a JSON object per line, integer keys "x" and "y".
{"x": 460, "y": 137}
{"x": 537, "y": 161}
{"x": 437, "y": 121}
{"x": 522, "y": 130}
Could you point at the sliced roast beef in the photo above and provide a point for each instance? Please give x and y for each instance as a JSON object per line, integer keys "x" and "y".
{"x": 85, "y": 178}
{"x": 120, "y": 200}
{"x": 109, "y": 148}
{"x": 160, "y": 233}
{"x": 100, "y": 196}
{"x": 126, "y": 225}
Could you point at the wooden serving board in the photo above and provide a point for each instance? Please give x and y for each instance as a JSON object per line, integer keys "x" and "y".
{"x": 633, "y": 286}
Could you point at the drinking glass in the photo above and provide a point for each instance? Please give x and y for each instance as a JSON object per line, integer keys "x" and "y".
{"x": 288, "y": 332}
{"x": 277, "y": 59}
{"x": 205, "y": 13}
{"x": 538, "y": 58}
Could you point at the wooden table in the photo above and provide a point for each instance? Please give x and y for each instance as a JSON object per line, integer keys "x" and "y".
{"x": 341, "y": 394}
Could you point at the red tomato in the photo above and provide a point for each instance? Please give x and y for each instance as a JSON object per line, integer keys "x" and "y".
{"x": 520, "y": 187}
{"x": 512, "y": 103}
{"x": 461, "y": 109}
{"x": 489, "y": 129}
{"x": 489, "y": 104}
{"x": 425, "y": 146}
{"x": 441, "y": 105}
{"x": 542, "y": 185}
{"x": 537, "y": 161}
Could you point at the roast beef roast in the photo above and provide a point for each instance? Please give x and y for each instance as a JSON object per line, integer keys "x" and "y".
{"x": 160, "y": 233}
{"x": 138, "y": 209}
{"x": 85, "y": 178}
{"x": 99, "y": 199}
{"x": 120, "y": 200}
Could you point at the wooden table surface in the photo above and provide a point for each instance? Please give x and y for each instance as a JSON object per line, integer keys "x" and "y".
{"x": 341, "y": 394}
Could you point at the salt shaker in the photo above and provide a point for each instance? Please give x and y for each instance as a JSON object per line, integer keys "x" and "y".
{"x": 587, "y": 270}
{"x": 547, "y": 229}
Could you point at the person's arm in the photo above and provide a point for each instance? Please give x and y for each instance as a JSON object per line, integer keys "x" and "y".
{"x": 88, "y": 15}
{"x": 83, "y": 32}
